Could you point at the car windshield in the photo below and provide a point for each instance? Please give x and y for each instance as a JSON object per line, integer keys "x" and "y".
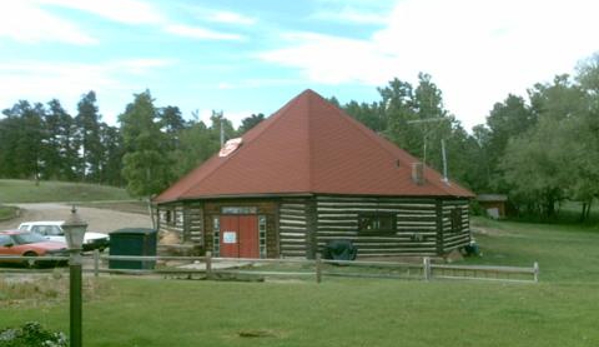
{"x": 25, "y": 238}
{"x": 47, "y": 230}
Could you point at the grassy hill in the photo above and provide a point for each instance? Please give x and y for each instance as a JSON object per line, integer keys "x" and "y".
{"x": 25, "y": 191}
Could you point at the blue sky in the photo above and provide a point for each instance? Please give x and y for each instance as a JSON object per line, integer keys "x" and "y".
{"x": 251, "y": 56}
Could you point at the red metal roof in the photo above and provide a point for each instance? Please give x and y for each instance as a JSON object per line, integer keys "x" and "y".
{"x": 310, "y": 147}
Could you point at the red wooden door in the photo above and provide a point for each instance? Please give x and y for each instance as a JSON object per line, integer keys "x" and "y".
{"x": 229, "y": 236}
{"x": 248, "y": 237}
{"x": 239, "y": 236}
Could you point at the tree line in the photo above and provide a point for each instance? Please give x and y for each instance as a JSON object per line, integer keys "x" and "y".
{"x": 540, "y": 149}
{"x": 151, "y": 147}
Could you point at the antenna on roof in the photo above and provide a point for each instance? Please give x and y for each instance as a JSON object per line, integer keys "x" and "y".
{"x": 222, "y": 129}
{"x": 445, "y": 179}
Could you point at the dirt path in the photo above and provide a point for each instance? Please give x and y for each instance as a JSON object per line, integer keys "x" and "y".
{"x": 99, "y": 220}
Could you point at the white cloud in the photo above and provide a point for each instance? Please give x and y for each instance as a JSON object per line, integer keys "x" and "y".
{"x": 24, "y": 22}
{"x": 200, "y": 33}
{"x": 333, "y": 60}
{"x": 220, "y": 16}
{"x": 139, "y": 66}
{"x": 30, "y": 20}
{"x": 254, "y": 83}
{"x": 351, "y": 15}
{"x": 122, "y": 11}
{"x": 231, "y": 18}
{"x": 477, "y": 52}
{"x": 41, "y": 81}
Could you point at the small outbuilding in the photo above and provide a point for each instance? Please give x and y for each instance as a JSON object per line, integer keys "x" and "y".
{"x": 309, "y": 175}
{"x": 493, "y": 204}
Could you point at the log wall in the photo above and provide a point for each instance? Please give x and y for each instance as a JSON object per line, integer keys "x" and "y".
{"x": 416, "y": 224}
{"x": 293, "y": 228}
{"x": 169, "y": 219}
{"x": 417, "y": 221}
{"x": 184, "y": 219}
{"x": 460, "y": 235}
{"x": 301, "y": 227}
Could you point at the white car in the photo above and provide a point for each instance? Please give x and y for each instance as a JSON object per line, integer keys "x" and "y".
{"x": 52, "y": 230}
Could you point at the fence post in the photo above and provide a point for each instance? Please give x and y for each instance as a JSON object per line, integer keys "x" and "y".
{"x": 208, "y": 265}
{"x": 318, "y": 268}
{"x": 96, "y": 262}
{"x": 426, "y": 268}
{"x": 536, "y": 271}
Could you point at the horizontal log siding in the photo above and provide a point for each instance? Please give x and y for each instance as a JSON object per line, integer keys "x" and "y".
{"x": 454, "y": 239}
{"x": 293, "y": 228}
{"x": 415, "y": 223}
{"x": 170, "y": 219}
{"x": 193, "y": 223}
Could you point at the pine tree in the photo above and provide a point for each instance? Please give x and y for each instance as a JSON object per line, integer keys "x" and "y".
{"x": 146, "y": 165}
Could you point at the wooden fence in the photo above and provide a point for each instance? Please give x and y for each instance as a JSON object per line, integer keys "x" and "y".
{"x": 250, "y": 269}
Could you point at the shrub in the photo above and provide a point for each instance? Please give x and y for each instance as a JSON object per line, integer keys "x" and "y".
{"x": 32, "y": 334}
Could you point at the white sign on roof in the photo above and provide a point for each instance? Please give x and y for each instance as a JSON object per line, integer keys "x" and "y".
{"x": 230, "y": 147}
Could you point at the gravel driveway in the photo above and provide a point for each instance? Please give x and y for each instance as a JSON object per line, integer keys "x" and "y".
{"x": 99, "y": 220}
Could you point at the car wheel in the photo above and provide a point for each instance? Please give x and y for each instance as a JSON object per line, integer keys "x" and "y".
{"x": 30, "y": 263}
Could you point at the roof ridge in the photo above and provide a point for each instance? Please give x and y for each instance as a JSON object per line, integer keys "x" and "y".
{"x": 271, "y": 120}
{"x": 378, "y": 139}
{"x": 310, "y": 146}
{"x": 369, "y": 133}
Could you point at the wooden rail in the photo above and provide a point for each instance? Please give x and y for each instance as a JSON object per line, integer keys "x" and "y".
{"x": 208, "y": 267}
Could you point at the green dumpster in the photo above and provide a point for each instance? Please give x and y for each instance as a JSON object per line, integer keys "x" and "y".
{"x": 133, "y": 242}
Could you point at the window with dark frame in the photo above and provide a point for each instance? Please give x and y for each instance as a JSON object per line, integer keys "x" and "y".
{"x": 376, "y": 223}
{"x": 456, "y": 220}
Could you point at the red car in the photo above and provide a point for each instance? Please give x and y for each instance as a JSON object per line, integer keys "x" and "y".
{"x": 19, "y": 243}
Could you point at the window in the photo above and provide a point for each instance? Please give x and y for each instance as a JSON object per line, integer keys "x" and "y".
{"x": 216, "y": 235}
{"x": 376, "y": 222}
{"x": 239, "y": 210}
{"x": 456, "y": 220}
{"x": 5, "y": 240}
{"x": 262, "y": 235}
{"x": 47, "y": 230}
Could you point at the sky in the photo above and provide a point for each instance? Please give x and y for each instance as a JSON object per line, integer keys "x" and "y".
{"x": 252, "y": 56}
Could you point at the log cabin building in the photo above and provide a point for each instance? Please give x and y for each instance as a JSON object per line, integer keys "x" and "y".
{"x": 310, "y": 174}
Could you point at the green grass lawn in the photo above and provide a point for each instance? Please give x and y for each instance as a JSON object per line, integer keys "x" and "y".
{"x": 144, "y": 312}
{"x": 561, "y": 310}
{"x": 24, "y": 191}
{"x": 564, "y": 252}
{"x": 7, "y": 212}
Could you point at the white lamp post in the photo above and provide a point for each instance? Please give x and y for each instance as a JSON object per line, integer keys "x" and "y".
{"x": 74, "y": 229}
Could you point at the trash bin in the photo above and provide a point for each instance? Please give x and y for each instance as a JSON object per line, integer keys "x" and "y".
{"x": 133, "y": 241}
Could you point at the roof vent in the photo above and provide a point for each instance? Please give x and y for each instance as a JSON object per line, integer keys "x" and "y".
{"x": 230, "y": 147}
{"x": 418, "y": 173}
